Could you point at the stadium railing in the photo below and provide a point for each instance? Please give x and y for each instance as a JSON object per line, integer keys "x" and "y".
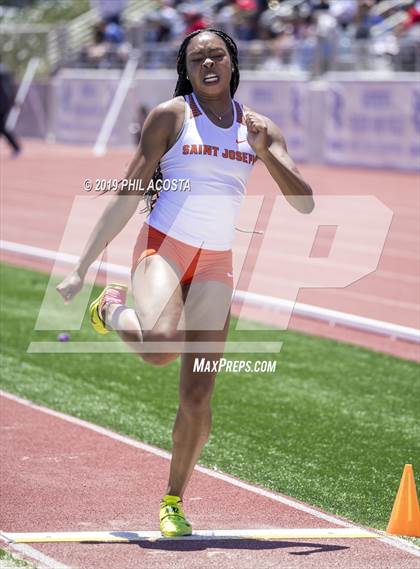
{"x": 54, "y": 43}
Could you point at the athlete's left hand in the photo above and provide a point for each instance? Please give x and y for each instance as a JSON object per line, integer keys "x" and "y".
{"x": 257, "y": 132}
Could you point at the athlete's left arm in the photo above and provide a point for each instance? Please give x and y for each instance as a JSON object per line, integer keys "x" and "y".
{"x": 269, "y": 145}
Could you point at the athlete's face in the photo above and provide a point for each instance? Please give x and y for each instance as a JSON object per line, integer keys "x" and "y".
{"x": 209, "y": 66}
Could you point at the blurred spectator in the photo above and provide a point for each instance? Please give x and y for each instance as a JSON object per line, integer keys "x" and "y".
{"x": 108, "y": 8}
{"x": 113, "y": 32}
{"x": 320, "y": 4}
{"x": 171, "y": 19}
{"x": 193, "y": 18}
{"x": 327, "y": 36}
{"x": 306, "y": 48}
{"x": 224, "y": 16}
{"x": 7, "y": 97}
{"x": 94, "y": 52}
{"x": 344, "y": 11}
{"x": 245, "y": 20}
{"x": 408, "y": 58}
{"x": 108, "y": 48}
{"x": 282, "y": 51}
{"x": 413, "y": 15}
{"x": 313, "y": 35}
{"x": 364, "y": 20}
{"x": 155, "y": 30}
{"x": 165, "y": 23}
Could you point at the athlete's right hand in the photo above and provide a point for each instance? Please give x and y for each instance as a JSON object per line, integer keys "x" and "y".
{"x": 70, "y": 286}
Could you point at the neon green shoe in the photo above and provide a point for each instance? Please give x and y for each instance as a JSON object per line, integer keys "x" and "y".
{"x": 172, "y": 518}
{"x": 112, "y": 294}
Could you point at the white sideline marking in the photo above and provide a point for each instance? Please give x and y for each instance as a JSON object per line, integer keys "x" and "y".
{"x": 117, "y": 102}
{"x": 22, "y": 92}
{"x": 393, "y": 542}
{"x": 125, "y": 536}
{"x": 46, "y": 561}
{"x": 259, "y": 300}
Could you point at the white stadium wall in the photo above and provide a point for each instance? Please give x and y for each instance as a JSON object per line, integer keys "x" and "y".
{"x": 372, "y": 123}
{"x": 284, "y": 100}
{"x": 345, "y": 119}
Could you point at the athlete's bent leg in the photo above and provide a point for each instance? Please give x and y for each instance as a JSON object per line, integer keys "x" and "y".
{"x": 158, "y": 311}
{"x": 158, "y": 308}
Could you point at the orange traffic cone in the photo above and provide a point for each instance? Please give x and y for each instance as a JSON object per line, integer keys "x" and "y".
{"x": 405, "y": 515}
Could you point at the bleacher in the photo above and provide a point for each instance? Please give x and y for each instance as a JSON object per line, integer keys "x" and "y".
{"x": 299, "y": 37}
{"x": 53, "y": 31}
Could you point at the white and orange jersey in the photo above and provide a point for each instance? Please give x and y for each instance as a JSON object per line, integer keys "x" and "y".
{"x": 217, "y": 163}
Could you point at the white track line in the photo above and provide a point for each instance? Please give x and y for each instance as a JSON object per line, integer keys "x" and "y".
{"x": 46, "y": 561}
{"x": 253, "y": 299}
{"x": 117, "y": 102}
{"x": 394, "y": 542}
{"x": 22, "y": 92}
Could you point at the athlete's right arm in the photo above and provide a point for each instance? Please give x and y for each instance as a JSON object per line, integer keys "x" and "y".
{"x": 157, "y": 131}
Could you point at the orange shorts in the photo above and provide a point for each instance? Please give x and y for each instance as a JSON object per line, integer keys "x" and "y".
{"x": 192, "y": 262}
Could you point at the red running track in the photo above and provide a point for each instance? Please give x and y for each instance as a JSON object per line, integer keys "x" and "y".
{"x": 39, "y": 189}
{"x": 61, "y": 475}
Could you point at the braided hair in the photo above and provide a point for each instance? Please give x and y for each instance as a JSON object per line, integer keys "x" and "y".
{"x": 184, "y": 87}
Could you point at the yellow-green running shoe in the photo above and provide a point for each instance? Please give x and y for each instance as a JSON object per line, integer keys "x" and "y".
{"x": 172, "y": 518}
{"x": 112, "y": 294}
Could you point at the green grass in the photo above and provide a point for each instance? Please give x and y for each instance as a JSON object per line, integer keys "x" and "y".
{"x": 8, "y": 561}
{"x": 333, "y": 426}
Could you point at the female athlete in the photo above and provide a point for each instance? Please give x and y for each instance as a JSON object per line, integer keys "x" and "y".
{"x": 182, "y": 261}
